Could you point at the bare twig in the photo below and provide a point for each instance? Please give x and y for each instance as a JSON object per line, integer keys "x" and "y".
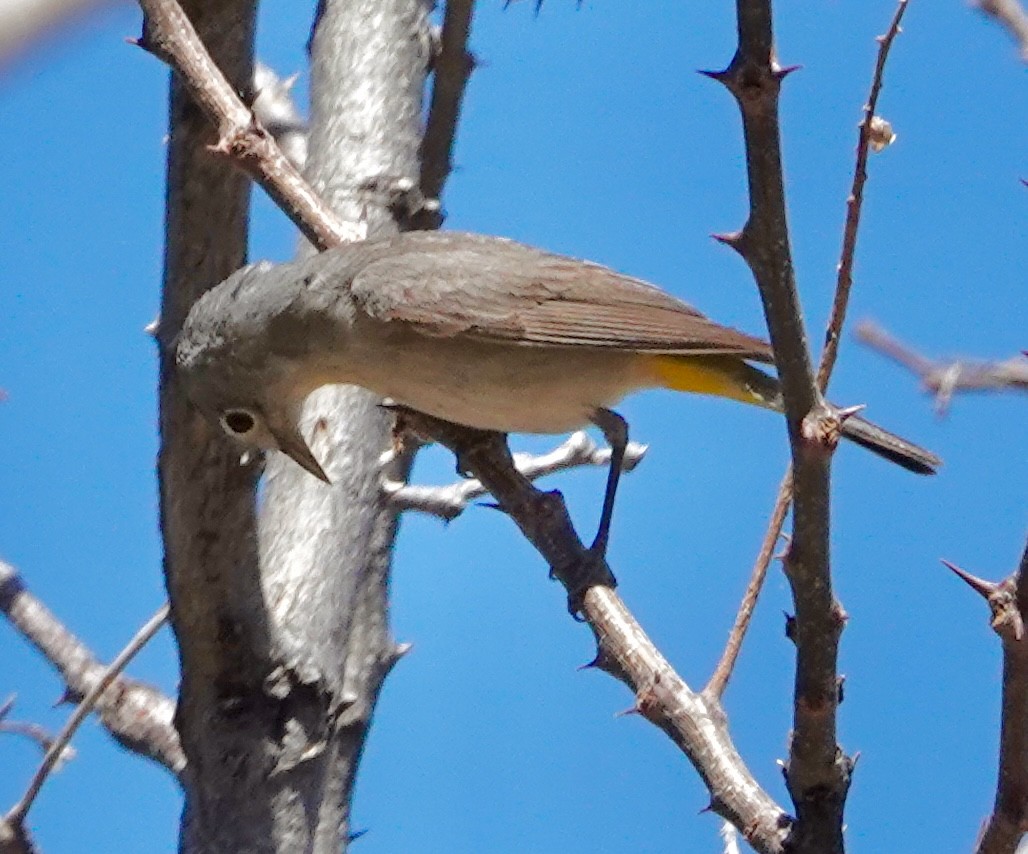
{"x": 694, "y": 721}
{"x": 33, "y": 732}
{"x": 726, "y": 665}
{"x": 854, "y": 206}
{"x": 448, "y": 502}
{"x": 169, "y": 35}
{"x": 843, "y": 286}
{"x": 945, "y": 378}
{"x": 16, "y": 815}
{"x": 452, "y": 68}
{"x": 1008, "y": 602}
{"x": 1010, "y": 15}
{"x": 137, "y": 715}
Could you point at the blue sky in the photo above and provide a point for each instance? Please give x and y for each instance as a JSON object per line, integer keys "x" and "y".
{"x": 586, "y": 132}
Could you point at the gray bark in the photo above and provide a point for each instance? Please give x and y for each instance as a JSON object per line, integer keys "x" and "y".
{"x": 325, "y": 552}
{"x": 281, "y": 667}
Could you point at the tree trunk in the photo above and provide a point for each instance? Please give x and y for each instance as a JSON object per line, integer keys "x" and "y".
{"x": 281, "y": 664}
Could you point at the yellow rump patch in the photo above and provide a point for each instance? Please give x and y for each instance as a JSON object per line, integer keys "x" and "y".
{"x": 721, "y": 376}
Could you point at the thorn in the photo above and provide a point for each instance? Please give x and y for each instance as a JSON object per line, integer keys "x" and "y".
{"x": 490, "y": 505}
{"x": 979, "y": 585}
{"x": 729, "y": 238}
{"x": 790, "y": 626}
{"x": 719, "y": 76}
{"x": 625, "y": 713}
{"x": 840, "y": 692}
{"x": 153, "y": 327}
{"x": 600, "y": 662}
{"x": 8, "y": 704}
{"x": 141, "y": 42}
{"x": 66, "y": 698}
{"x": 782, "y": 73}
{"x": 850, "y": 411}
{"x": 401, "y": 649}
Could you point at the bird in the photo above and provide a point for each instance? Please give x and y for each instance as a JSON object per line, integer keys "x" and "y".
{"x": 480, "y": 331}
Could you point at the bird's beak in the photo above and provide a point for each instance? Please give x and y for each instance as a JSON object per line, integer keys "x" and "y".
{"x": 293, "y": 446}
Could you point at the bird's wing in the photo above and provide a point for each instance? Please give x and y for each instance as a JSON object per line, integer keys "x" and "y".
{"x": 445, "y": 284}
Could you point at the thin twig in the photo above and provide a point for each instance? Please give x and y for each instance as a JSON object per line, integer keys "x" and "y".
{"x": 31, "y": 731}
{"x": 945, "y": 378}
{"x": 854, "y": 206}
{"x": 726, "y": 665}
{"x": 137, "y": 715}
{"x": 16, "y": 814}
{"x": 169, "y": 35}
{"x": 843, "y": 286}
{"x": 448, "y": 502}
{"x": 452, "y": 69}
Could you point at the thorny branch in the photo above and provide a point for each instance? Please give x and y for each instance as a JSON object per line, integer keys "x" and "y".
{"x": 451, "y": 70}
{"x": 945, "y": 378}
{"x": 694, "y": 721}
{"x": 817, "y": 773}
{"x": 1008, "y": 602}
{"x": 137, "y": 715}
{"x": 843, "y": 286}
{"x": 448, "y": 502}
{"x": 170, "y": 36}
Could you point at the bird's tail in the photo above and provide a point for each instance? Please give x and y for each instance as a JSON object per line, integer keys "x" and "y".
{"x": 731, "y": 377}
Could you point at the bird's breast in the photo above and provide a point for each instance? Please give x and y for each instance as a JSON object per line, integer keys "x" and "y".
{"x": 496, "y": 386}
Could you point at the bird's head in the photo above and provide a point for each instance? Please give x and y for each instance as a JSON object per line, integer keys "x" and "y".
{"x": 240, "y": 383}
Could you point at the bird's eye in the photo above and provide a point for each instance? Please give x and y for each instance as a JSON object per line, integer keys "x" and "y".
{"x": 238, "y": 422}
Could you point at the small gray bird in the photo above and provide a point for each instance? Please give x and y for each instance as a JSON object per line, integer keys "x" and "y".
{"x": 475, "y": 330}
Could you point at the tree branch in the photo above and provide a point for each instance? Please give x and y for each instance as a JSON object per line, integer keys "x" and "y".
{"x": 695, "y": 722}
{"x": 33, "y": 732}
{"x": 110, "y": 675}
{"x": 1008, "y": 602}
{"x": 169, "y": 35}
{"x": 817, "y": 772}
{"x": 833, "y": 331}
{"x": 326, "y": 553}
{"x": 452, "y": 69}
{"x": 946, "y": 378}
{"x": 743, "y": 618}
{"x": 137, "y": 715}
{"x": 448, "y": 502}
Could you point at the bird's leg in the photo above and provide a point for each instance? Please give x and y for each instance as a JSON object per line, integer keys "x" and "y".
{"x": 593, "y": 570}
{"x": 615, "y": 431}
